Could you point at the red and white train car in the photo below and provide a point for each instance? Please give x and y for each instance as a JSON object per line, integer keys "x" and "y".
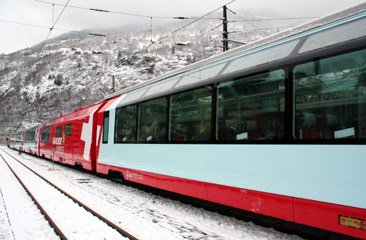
{"x": 71, "y": 138}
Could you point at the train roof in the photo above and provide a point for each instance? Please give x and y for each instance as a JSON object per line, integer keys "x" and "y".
{"x": 326, "y": 31}
{"x": 29, "y": 125}
{"x": 78, "y": 113}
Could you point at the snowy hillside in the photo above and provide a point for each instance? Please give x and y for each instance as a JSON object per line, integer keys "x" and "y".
{"x": 76, "y": 69}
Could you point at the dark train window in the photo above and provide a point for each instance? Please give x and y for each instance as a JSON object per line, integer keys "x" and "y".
{"x": 126, "y": 124}
{"x": 105, "y": 127}
{"x": 68, "y": 130}
{"x": 190, "y": 115}
{"x": 59, "y": 131}
{"x": 252, "y": 108}
{"x": 152, "y": 121}
{"x": 45, "y": 134}
{"x": 330, "y": 97}
{"x": 29, "y": 136}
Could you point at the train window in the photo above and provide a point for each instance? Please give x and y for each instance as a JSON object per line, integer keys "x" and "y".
{"x": 59, "y": 131}
{"x": 252, "y": 108}
{"x": 160, "y": 87}
{"x": 190, "y": 115}
{"x": 26, "y": 136}
{"x": 330, "y": 97}
{"x": 45, "y": 134}
{"x": 105, "y": 127}
{"x": 188, "y": 79}
{"x": 29, "y": 136}
{"x": 133, "y": 97}
{"x": 260, "y": 57}
{"x": 126, "y": 124}
{"x": 342, "y": 33}
{"x": 68, "y": 130}
{"x": 152, "y": 122}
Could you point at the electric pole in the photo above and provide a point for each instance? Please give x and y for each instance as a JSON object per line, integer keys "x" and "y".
{"x": 225, "y": 33}
{"x": 113, "y": 82}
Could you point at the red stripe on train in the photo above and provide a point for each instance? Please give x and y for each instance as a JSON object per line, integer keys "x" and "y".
{"x": 308, "y": 212}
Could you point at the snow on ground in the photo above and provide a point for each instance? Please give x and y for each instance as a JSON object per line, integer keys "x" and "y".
{"x": 143, "y": 214}
{"x": 19, "y": 216}
{"x": 74, "y": 221}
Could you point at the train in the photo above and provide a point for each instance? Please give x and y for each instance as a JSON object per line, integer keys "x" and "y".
{"x": 276, "y": 127}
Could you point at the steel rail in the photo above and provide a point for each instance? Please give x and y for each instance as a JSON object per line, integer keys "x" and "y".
{"x": 93, "y": 212}
{"x": 44, "y": 213}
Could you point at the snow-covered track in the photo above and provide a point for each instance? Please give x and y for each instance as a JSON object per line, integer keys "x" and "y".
{"x": 70, "y": 218}
{"x": 43, "y": 211}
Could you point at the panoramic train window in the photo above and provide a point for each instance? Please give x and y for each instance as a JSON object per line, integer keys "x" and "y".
{"x": 105, "y": 127}
{"x": 18, "y": 137}
{"x": 59, "y": 131}
{"x": 349, "y": 31}
{"x": 190, "y": 115}
{"x": 330, "y": 97}
{"x": 29, "y": 136}
{"x": 270, "y": 54}
{"x": 134, "y": 97}
{"x": 126, "y": 124}
{"x": 45, "y": 134}
{"x": 152, "y": 123}
{"x": 68, "y": 130}
{"x": 252, "y": 108}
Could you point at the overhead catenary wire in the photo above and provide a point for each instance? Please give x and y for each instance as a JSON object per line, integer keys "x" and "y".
{"x": 184, "y": 26}
{"x": 54, "y": 24}
{"x": 247, "y": 21}
{"x": 267, "y": 19}
{"x": 146, "y": 16}
{"x": 45, "y": 27}
{"x": 276, "y": 19}
{"x": 95, "y": 9}
{"x": 268, "y": 28}
{"x": 26, "y": 24}
{"x": 165, "y": 17}
{"x": 180, "y": 18}
{"x": 118, "y": 12}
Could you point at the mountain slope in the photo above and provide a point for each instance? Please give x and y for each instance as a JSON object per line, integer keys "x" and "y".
{"x": 76, "y": 69}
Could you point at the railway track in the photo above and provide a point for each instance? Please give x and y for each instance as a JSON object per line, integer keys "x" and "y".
{"x": 69, "y": 217}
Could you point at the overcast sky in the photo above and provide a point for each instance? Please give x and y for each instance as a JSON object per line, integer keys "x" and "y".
{"x": 15, "y": 37}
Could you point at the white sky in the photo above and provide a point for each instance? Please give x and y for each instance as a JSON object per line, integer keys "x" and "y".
{"x": 15, "y": 37}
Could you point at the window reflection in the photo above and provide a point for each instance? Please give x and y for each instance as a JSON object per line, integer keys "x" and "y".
{"x": 252, "y": 108}
{"x": 190, "y": 115}
{"x": 330, "y": 97}
{"x": 152, "y": 123}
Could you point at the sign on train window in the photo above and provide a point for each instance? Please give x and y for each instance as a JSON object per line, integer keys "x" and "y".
{"x": 252, "y": 108}
{"x": 330, "y": 97}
